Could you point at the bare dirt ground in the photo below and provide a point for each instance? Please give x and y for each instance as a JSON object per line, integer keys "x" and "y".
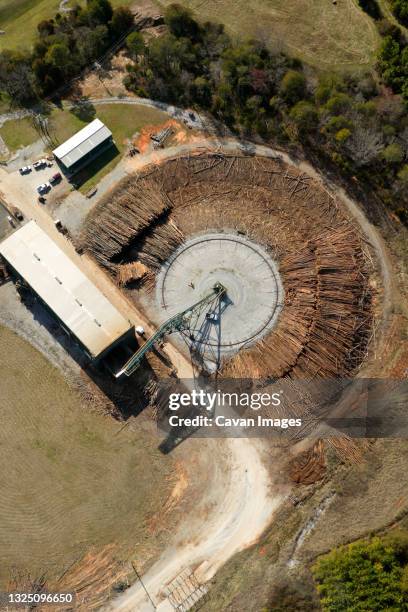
{"x": 107, "y": 82}
{"x": 232, "y": 513}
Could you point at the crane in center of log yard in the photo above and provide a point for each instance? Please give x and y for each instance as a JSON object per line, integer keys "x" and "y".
{"x": 177, "y": 323}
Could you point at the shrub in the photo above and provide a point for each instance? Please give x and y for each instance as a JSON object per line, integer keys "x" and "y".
{"x": 135, "y": 44}
{"x": 337, "y": 123}
{"x": 403, "y": 177}
{"x": 180, "y": 22}
{"x": 393, "y": 153}
{"x": 293, "y": 86}
{"x": 338, "y": 103}
{"x": 343, "y": 135}
{"x": 305, "y": 116}
{"x": 122, "y": 21}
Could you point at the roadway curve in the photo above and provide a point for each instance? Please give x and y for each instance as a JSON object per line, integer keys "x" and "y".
{"x": 241, "y": 507}
{"x": 239, "y": 500}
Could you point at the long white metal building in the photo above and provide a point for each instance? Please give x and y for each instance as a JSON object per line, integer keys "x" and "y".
{"x": 81, "y": 308}
{"x": 83, "y": 147}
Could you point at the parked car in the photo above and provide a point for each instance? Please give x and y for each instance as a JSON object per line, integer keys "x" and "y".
{"x": 56, "y": 178}
{"x": 60, "y": 227}
{"x": 25, "y": 170}
{"x": 43, "y": 188}
{"x": 91, "y": 192}
{"x": 11, "y": 221}
{"x": 41, "y": 163}
{"x": 17, "y": 213}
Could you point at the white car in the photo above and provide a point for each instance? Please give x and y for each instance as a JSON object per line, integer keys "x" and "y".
{"x": 41, "y": 163}
{"x": 25, "y": 170}
{"x": 43, "y": 188}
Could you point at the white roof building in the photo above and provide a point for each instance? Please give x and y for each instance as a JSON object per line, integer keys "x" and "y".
{"x": 83, "y": 143}
{"x": 82, "y": 309}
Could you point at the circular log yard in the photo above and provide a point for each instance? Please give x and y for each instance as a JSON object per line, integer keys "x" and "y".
{"x": 296, "y": 298}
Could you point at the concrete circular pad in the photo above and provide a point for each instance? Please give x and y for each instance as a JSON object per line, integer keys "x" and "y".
{"x": 248, "y": 310}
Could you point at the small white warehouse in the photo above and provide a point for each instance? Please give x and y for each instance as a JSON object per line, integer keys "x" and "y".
{"x": 83, "y": 311}
{"x": 83, "y": 147}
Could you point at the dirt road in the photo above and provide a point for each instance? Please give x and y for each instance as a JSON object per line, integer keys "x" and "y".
{"x": 241, "y": 507}
{"x": 238, "y": 502}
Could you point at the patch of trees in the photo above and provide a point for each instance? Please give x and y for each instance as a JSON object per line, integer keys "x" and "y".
{"x": 393, "y": 62}
{"x": 255, "y": 92}
{"x": 371, "y": 7}
{"x": 400, "y": 10}
{"x": 65, "y": 45}
{"x": 364, "y": 575}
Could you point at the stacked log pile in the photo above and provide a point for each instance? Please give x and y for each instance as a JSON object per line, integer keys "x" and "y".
{"x": 324, "y": 327}
{"x": 122, "y": 217}
{"x": 310, "y": 466}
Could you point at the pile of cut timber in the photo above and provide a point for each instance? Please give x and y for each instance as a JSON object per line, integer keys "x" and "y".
{"x": 123, "y": 216}
{"x": 131, "y": 272}
{"x": 310, "y": 466}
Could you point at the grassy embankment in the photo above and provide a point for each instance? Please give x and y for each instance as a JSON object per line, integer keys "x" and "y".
{"x": 69, "y": 480}
{"x": 331, "y": 37}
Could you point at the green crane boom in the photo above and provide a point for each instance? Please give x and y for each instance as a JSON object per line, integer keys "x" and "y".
{"x": 178, "y": 322}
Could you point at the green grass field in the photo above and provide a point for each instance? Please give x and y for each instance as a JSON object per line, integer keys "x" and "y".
{"x": 18, "y": 133}
{"x": 19, "y": 19}
{"x": 123, "y": 120}
{"x": 326, "y": 35}
{"x": 69, "y": 479}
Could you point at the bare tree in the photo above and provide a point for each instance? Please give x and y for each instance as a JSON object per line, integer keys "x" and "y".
{"x": 364, "y": 145}
{"x": 16, "y": 78}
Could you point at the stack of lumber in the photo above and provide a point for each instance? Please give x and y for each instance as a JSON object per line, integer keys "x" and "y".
{"x": 323, "y": 322}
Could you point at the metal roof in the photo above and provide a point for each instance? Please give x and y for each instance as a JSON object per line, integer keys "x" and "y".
{"x": 82, "y": 142}
{"x": 81, "y": 307}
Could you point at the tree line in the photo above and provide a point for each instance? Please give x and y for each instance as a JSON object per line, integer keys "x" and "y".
{"x": 64, "y": 46}
{"x": 400, "y": 10}
{"x": 365, "y": 575}
{"x": 353, "y": 122}
{"x": 349, "y": 121}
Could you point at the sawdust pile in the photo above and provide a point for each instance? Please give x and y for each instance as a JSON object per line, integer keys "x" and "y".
{"x": 131, "y": 272}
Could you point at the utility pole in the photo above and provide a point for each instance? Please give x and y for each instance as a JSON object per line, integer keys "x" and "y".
{"x": 144, "y": 588}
